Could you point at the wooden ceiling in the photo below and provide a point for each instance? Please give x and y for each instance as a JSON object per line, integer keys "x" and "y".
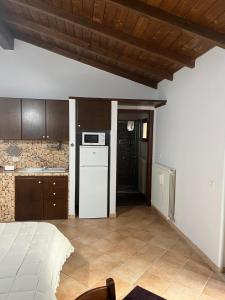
{"x": 145, "y": 41}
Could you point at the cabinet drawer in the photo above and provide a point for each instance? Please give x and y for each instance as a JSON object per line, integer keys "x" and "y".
{"x": 55, "y": 209}
{"x": 56, "y": 194}
{"x": 57, "y": 181}
{"x": 56, "y": 187}
{"x": 56, "y": 197}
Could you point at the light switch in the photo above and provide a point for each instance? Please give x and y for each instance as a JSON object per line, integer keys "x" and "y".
{"x": 212, "y": 184}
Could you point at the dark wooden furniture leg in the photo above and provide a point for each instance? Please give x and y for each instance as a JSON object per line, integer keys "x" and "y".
{"x": 107, "y": 292}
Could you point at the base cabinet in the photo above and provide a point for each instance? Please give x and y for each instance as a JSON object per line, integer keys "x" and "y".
{"x": 29, "y": 198}
{"x": 55, "y": 197}
{"x": 41, "y": 198}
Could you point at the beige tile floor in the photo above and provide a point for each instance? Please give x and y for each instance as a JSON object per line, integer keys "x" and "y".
{"x": 137, "y": 248}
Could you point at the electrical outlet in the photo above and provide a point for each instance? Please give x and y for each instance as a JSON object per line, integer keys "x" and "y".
{"x": 15, "y": 159}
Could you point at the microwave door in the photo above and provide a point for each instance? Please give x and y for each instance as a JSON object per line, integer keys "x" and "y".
{"x": 91, "y": 139}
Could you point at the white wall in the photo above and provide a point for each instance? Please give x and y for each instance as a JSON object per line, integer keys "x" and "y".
{"x": 190, "y": 137}
{"x": 33, "y": 72}
{"x": 113, "y": 159}
{"x": 72, "y": 156}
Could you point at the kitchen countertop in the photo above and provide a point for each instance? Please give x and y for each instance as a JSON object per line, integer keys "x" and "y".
{"x": 20, "y": 172}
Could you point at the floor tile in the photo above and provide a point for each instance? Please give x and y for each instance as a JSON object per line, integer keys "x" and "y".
{"x": 179, "y": 292}
{"x": 215, "y": 287}
{"x": 153, "y": 283}
{"x": 69, "y": 289}
{"x": 195, "y": 281}
{"x": 136, "y": 248}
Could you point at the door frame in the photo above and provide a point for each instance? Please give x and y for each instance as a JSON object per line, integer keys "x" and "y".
{"x": 151, "y": 115}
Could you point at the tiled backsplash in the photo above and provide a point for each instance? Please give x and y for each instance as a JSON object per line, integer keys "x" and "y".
{"x": 35, "y": 154}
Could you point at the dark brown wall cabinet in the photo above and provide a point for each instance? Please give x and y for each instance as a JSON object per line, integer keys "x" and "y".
{"x": 41, "y": 198}
{"x": 57, "y": 120}
{"x": 93, "y": 114}
{"x": 33, "y": 119}
{"x": 10, "y": 119}
{"x": 45, "y": 120}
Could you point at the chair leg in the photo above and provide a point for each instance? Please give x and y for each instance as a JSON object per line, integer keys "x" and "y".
{"x": 111, "y": 288}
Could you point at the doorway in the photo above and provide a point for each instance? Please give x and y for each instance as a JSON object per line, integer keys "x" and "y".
{"x": 134, "y": 157}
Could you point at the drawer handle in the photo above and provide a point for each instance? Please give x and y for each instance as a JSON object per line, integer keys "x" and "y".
{"x": 54, "y": 183}
{"x": 39, "y": 182}
{"x": 54, "y": 204}
{"x": 54, "y": 194}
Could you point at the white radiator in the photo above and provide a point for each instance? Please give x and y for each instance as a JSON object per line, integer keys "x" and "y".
{"x": 163, "y": 190}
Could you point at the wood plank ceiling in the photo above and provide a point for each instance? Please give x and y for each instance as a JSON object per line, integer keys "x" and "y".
{"x": 145, "y": 41}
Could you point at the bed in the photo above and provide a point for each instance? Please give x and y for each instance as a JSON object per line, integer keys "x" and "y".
{"x": 31, "y": 257}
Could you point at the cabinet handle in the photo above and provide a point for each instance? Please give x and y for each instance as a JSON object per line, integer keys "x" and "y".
{"x": 78, "y": 125}
{"x": 39, "y": 182}
{"x": 43, "y": 136}
{"x": 54, "y": 194}
{"x": 53, "y": 183}
{"x": 54, "y": 204}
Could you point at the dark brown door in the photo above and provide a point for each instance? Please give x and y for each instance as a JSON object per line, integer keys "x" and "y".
{"x": 10, "y": 119}
{"x": 93, "y": 115}
{"x": 57, "y": 120}
{"x": 56, "y": 197}
{"x": 33, "y": 119}
{"x": 127, "y": 157}
{"x": 29, "y": 198}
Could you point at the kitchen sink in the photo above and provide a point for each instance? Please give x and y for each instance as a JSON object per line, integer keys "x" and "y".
{"x": 41, "y": 170}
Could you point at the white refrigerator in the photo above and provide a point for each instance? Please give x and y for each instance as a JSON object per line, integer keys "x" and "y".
{"x": 93, "y": 182}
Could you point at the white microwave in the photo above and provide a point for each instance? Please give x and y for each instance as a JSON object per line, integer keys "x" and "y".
{"x": 93, "y": 138}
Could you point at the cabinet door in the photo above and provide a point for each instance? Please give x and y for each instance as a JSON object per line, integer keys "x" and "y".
{"x": 33, "y": 119}
{"x": 29, "y": 198}
{"x": 56, "y": 197}
{"x": 93, "y": 114}
{"x": 10, "y": 119}
{"x": 57, "y": 120}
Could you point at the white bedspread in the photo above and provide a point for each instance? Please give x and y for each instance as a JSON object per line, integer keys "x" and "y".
{"x": 31, "y": 257}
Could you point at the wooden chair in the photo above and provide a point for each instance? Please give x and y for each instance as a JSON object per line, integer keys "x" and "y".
{"x": 102, "y": 293}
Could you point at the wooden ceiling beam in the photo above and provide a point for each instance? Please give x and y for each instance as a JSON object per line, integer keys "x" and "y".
{"x": 86, "y": 60}
{"x": 72, "y": 41}
{"x": 119, "y": 36}
{"x": 6, "y": 39}
{"x": 30, "y": 25}
{"x": 158, "y": 14}
{"x": 127, "y": 62}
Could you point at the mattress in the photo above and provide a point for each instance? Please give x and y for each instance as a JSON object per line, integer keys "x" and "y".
{"x": 31, "y": 257}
